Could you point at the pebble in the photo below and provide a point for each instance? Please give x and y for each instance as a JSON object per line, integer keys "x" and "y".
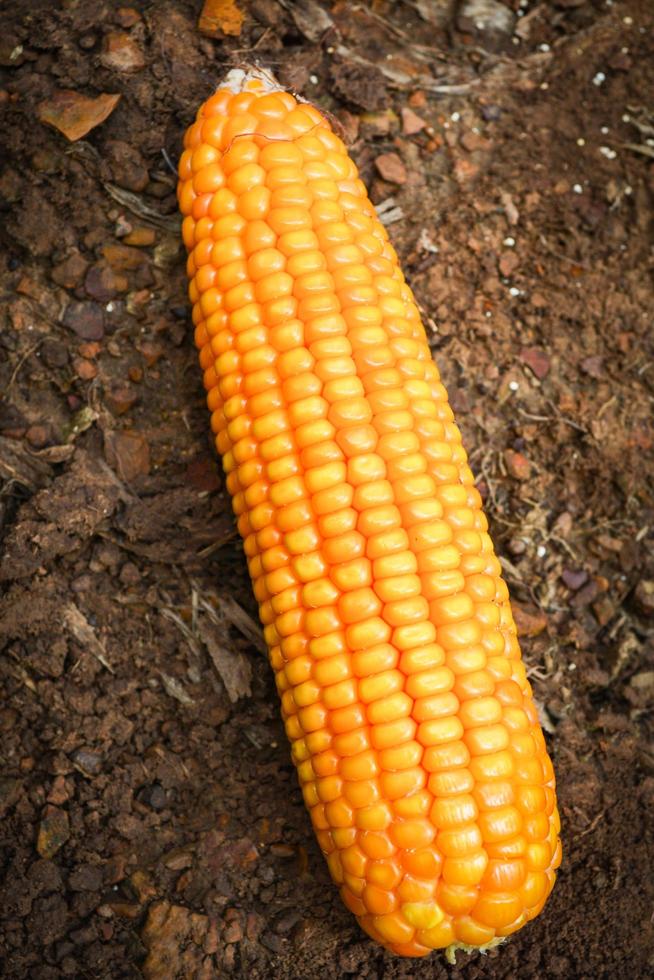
{"x": 508, "y": 263}
{"x": 123, "y": 258}
{"x": 140, "y": 237}
{"x": 127, "y": 166}
{"x": 644, "y": 597}
{"x": 85, "y": 370}
{"x": 465, "y": 170}
{"x": 121, "y": 53}
{"x": 120, "y": 399}
{"x": 85, "y": 319}
{"x": 593, "y": 366}
{"x": 489, "y": 18}
{"x": 391, "y": 168}
{"x": 490, "y": 113}
{"x": 70, "y": 273}
{"x": 537, "y": 360}
{"x": 574, "y": 579}
{"x": 88, "y": 761}
{"x": 472, "y": 141}
{"x": 528, "y": 622}
{"x": 102, "y": 283}
{"x": 59, "y": 792}
{"x": 517, "y": 465}
{"x": 411, "y": 122}
{"x": 54, "y": 353}
{"x": 54, "y": 831}
{"x": 603, "y": 610}
{"x": 37, "y": 436}
{"x": 154, "y": 795}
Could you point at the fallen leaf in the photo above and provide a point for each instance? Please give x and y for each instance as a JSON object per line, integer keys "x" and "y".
{"x": 310, "y": 18}
{"x": 391, "y": 168}
{"x": 75, "y": 115}
{"x": 220, "y": 16}
{"x": 233, "y": 667}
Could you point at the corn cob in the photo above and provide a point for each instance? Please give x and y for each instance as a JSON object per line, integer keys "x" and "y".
{"x": 388, "y": 624}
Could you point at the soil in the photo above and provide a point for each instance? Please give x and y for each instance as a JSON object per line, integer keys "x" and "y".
{"x": 152, "y": 824}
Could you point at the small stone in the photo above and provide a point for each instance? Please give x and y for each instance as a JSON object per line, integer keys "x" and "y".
{"x": 593, "y": 366}
{"x": 153, "y": 796}
{"x": 465, "y": 170}
{"x": 135, "y": 374}
{"x": 587, "y": 594}
{"x": 644, "y": 597}
{"x": 151, "y": 352}
{"x": 121, "y": 53}
{"x": 537, "y": 360}
{"x": 70, "y": 272}
{"x": 128, "y": 453}
{"x": 54, "y": 831}
{"x": 59, "y": 793}
{"x": 233, "y": 932}
{"x": 119, "y": 400}
{"x": 85, "y": 370}
{"x": 90, "y": 349}
{"x": 86, "y": 760}
{"x": 54, "y": 353}
{"x": 127, "y": 165}
{"x": 508, "y": 263}
{"x": 603, "y": 610}
{"x": 391, "y": 168}
{"x": 411, "y": 122}
{"x": 37, "y": 436}
{"x": 179, "y": 860}
{"x": 490, "y": 20}
{"x": 140, "y": 237}
{"x": 574, "y": 579}
{"x": 100, "y": 283}
{"x": 528, "y": 621}
{"x": 472, "y": 141}
{"x": 517, "y": 465}
{"x": 490, "y": 113}
{"x": 85, "y": 319}
{"x": 517, "y": 546}
{"x": 123, "y": 258}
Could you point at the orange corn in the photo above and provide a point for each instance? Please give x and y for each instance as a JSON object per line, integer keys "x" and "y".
{"x": 412, "y": 724}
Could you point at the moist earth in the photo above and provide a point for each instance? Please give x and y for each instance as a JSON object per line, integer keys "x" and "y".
{"x": 151, "y": 820}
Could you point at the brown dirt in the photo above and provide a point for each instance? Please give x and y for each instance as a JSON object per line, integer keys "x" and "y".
{"x": 151, "y": 825}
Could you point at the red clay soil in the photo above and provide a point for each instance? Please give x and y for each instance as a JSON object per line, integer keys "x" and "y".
{"x": 151, "y": 820}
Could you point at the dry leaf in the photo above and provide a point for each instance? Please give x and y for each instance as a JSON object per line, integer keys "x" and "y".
{"x": 233, "y": 667}
{"x": 220, "y": 16}
{"x": 310, "y": 18}
{"x": 75, "y": 115}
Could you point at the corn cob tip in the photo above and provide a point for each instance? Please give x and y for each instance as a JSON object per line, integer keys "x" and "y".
{"x": 238, "y": 80}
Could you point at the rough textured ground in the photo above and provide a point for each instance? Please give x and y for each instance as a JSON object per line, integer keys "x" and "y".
{"x": 152, "y": 825}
